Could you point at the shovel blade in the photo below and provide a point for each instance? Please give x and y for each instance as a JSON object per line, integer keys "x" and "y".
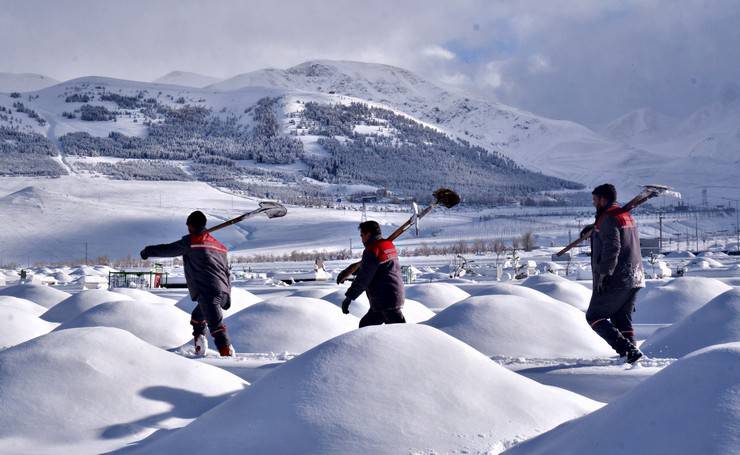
{"x": 272, "y": 209}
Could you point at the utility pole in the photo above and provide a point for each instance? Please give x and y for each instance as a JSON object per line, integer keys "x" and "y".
{"x": 737, "y": 220}
{"x": 85, "y": 252}
{"x": 737, "y": 224}
{"x": 696, "y": 230}
{"x": 660, "y": 227}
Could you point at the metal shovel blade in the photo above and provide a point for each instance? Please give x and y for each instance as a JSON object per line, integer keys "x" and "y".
{"x": 272, "y": 209}
{"x": 415, "y": 219}
{"x": 661, "y": 190}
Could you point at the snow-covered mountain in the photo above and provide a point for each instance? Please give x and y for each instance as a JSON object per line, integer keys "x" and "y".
{"x": 24, "y": 82}
{"x": 640, "y": 147}
{"x": 699, "y": 151}
{"x": 640, "y": 125}
{"x": 186, "y": 79}
{"x": 561, "y": 148}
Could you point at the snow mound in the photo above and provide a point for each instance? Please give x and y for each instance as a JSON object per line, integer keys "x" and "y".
{"x": 314, "y": 293}
{"x": 689, "y": 407}
{"x": 42, "y": 295}
{"x": 513, "y": 326}
{"x": 17, "y": 326}
{"x": 402, "y": 388}
{"x": 676, "y": 299}
{"x": 158, "y": 324}
{"x": 289, "y": 324}
{"x": 680, "y": 255}
{"x": 240, "y": 299}
{"x": 413, "y": 311}
{"x": 143, "y": 296}
{"x": 716, "y": 322}
{"x": 77, "y": 304}
{"x": 510, "y": 289}
{"x": 62, "y": 277}
{"x": 705, "y": 262}
{"x": 96, "y": 389}
{"x": 21, "y": 304}
{"x": 436, "y": 296}
{"x": 561, "y": 289}
{"x": 359, "y": 306}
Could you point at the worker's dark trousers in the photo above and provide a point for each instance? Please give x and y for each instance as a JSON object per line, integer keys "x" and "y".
{"x": 610, "y": 315}
{"x": 382, "y": 317}
{"x": 208, "y": 313}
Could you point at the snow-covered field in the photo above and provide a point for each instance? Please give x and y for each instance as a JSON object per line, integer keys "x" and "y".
{"x": 484, "y": 366}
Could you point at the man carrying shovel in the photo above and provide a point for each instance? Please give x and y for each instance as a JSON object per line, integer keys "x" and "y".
{"x": 208, "y": 279}
{"x": 617, "y": 273}
{"x": 207, "y": 273}
{"x": 380, "y": 277}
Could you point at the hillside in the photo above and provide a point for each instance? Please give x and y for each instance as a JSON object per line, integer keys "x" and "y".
{"x": 269, "y": 142}
{"x": 186, "y": 79}
{"x": 24, "y": 82}
{"x": 487, "y": 147}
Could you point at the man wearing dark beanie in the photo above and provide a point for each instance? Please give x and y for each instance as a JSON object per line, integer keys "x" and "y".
{"x": 616, "y": 265}
{"x": 207, "y": 275}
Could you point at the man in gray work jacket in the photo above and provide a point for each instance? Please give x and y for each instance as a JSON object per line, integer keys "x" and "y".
{"x": 208, "y": 279}
{"x": 380, "y": 277}
{"x": 616, "y": 264}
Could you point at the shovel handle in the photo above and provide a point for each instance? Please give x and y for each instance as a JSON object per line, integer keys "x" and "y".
{"x": 346, "y": 273}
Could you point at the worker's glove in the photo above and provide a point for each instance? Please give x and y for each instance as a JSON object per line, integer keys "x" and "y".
{"x": 345, "y": 305}
{"x": 144, "y": 255}
{"x": 601, "y": 283}
{"x": 587, "y": 229}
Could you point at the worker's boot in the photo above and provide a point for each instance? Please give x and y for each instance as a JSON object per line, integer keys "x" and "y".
{"x": 201, "y": 345}
{"x": 226, "y": 351}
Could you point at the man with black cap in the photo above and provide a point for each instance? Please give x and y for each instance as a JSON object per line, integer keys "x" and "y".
{"x": 616, "y": 265}
{"x": 208, "y": 279}
{"x": 379, "y": 277}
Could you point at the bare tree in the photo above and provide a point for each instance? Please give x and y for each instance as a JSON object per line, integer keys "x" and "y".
{"x": 528, "y": 241}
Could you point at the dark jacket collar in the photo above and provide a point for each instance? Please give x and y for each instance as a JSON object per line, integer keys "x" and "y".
{"x": 373, "y": 239}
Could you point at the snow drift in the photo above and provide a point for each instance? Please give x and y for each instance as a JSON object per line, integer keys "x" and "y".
{"x": 690, "y": 407}
{"x": 240, "y": 299}
{"x": 22, "y": 304}
{"x": 159, "y": 324}
{"x": 143, "y": 296}
{"x": 313, "y": 293}
{"x": 514, "y": 326}
{"x": 436, "y": 395}
{"x": 436, "y": 296}
{"x": 716, "y": 322}
{"x": 42, "y": 295}
{"x": 96, "y": 389}
{"x": 413, "y": 311}
{"x": 78, "y": 303}
{"x": 509, "y": 289}
{"x": 288, "y": 324}
{"x": 561, "y": 289}
{"x": 17, "y": 326}
{"x": 676, "y": 299}
{"x": 359, "y": 306}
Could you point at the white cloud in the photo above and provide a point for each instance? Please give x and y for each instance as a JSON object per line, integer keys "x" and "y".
{"x": 458, "y": 79}
{"x": 539, "y": 64}
{"x": 438, "y": 52}
{"x": 493, "y": 74}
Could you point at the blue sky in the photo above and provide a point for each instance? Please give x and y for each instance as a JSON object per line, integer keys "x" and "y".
{"x": 588, "y": 61}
